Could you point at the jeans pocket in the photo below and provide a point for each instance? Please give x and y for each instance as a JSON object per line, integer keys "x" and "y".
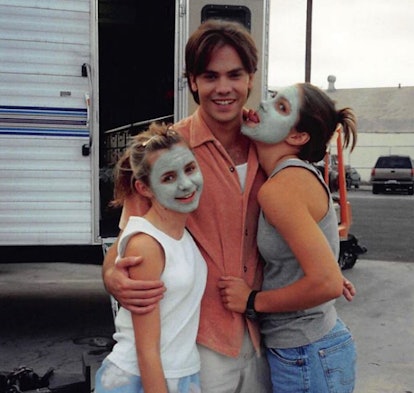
{"x": 339, "y": 364}
{"x": 289, "y": 357}
{"x": 288, "y": 369}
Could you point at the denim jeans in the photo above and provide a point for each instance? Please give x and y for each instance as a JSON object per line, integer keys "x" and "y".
{"x": 325, "y": 366}
{"x": 111, "y": 379}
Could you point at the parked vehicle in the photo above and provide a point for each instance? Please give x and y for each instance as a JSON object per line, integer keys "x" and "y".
{"x": 332, "y": 175}
{"x": 352, "y": 177}
{"x": 393, "y": 173}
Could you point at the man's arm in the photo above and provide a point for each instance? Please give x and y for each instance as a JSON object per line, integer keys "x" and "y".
{"x": 137, "y": 296}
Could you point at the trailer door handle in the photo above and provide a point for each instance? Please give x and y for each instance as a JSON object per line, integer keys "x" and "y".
{"x": 86, "y": 150}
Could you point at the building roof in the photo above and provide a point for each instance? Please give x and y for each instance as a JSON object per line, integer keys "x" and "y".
{"x": 379, "y": 110}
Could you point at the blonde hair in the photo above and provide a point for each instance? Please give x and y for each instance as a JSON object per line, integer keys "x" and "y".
{"x": 133, "y": 165}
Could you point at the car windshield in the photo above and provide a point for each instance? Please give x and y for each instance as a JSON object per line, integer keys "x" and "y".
{"x": 393, "y": 162}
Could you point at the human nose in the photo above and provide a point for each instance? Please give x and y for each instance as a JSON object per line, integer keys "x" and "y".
{"x": 265, "y": 105}
{"x": 223, "y": 85}
{"x": 184, "y": 183}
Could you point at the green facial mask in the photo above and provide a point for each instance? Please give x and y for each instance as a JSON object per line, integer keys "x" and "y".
{"x": 277, "y": 117}
{"x": 176, "y": 180}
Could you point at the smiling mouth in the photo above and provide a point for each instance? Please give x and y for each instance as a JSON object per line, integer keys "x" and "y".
{"x": 187, "y": 197}
{"x": 224, "y": 102}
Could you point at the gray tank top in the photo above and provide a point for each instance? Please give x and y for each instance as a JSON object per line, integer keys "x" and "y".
{"x": 294, "y": 329}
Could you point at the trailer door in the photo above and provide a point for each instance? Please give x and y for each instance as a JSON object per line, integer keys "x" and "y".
{"x": 136, "y": 83}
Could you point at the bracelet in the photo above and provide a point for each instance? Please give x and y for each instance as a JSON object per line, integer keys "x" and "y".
{"x": 251, "y": 313}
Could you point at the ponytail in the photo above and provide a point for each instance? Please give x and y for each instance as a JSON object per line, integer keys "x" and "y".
{"x": 123, "y": 179}
{"x": 347, "y": 118}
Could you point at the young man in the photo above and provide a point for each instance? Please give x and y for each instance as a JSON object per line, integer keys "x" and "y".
{"x": 221, "y": 59}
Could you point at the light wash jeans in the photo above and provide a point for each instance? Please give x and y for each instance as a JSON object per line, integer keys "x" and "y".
{"x": 325, "y": 366}
{"x": 111, "y": 379}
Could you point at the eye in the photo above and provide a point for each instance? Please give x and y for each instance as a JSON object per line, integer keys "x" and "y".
{"x": 283, "y": 106}
{"x": 191, "y": 168}
{"x": 210, "y": 76}
{"x": 236, "y": 74}
{"x": 168, "y": 177}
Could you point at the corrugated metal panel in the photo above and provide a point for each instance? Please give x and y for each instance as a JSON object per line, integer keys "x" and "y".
{"x": 45, "y": 181}
{"x": 45, "y": 193}
{"x": 43, "y": 48}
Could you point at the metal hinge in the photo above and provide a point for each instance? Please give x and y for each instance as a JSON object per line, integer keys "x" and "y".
{"x": 182, "y": 8}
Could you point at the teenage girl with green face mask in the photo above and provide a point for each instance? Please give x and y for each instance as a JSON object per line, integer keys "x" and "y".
{"x": 308, "y": 347}
{"x": 157, "y": 352}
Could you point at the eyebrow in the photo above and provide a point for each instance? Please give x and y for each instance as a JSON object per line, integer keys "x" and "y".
{"x": 238, "y": 69}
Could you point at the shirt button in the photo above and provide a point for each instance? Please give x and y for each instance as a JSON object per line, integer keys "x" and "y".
{"x": 245, "y": 268}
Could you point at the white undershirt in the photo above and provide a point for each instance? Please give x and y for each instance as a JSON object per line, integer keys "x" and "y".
{"x": 242, "y": 172}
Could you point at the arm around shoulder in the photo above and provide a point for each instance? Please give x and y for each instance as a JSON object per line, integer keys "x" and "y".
{"x": 138, "y": 296}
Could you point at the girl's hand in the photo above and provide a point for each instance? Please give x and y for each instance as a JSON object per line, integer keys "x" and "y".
{"x": 349, "y": 290}
{"x": 234, "y": 293}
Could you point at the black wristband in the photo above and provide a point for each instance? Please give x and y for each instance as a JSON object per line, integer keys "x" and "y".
{"x": 251, "y": 313}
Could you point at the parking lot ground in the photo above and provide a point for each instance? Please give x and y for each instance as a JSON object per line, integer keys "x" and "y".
{"x": 52, "y": 313}
{"x": 381, "y": 318}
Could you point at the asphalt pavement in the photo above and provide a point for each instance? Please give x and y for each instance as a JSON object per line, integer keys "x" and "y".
{"x": 57, "y": 315}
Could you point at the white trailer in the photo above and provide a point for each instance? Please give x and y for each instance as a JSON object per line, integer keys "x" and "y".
{"x": 77, "y": 79}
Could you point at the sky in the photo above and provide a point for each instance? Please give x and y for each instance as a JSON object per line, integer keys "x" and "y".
{"x": 363, "y": 43}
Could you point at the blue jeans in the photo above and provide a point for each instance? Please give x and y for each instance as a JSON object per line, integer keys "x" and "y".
{"x": 111, "y": 379}
{"x": 325, "y": 366}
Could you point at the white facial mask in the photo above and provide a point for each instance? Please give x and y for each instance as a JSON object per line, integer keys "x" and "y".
{"x": 277, "y": 117}
{"x": 176, "y": 180}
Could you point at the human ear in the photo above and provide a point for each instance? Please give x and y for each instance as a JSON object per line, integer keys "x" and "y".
{"x": 298, "y": 138}
{"x": 193, "y": 83}
{"x": 142, "y": 189}
{"x": 251, "y": 81}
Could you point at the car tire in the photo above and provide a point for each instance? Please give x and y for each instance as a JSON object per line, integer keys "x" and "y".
{"x": 375, "y": 189}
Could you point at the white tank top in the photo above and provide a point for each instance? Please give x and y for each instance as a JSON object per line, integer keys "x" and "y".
{"x": 184, "y": 276}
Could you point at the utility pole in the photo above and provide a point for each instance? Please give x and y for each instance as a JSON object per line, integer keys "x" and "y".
{"x": 308, "y": 54}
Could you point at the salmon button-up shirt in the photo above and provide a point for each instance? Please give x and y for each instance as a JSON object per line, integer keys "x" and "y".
{"x": 224, "y": 227}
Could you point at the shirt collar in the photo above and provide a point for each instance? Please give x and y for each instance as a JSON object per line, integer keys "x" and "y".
{"x": 199, "y": 132}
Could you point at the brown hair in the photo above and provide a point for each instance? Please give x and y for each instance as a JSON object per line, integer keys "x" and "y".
{"x": 213, "y": 34}
{"x": 133, "y": 165}
{"x": 319, "y": 118}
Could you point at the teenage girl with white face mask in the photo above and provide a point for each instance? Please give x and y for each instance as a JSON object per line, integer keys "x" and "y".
{"x": 156, "y": 352}
{"x": 308, "y": 347}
